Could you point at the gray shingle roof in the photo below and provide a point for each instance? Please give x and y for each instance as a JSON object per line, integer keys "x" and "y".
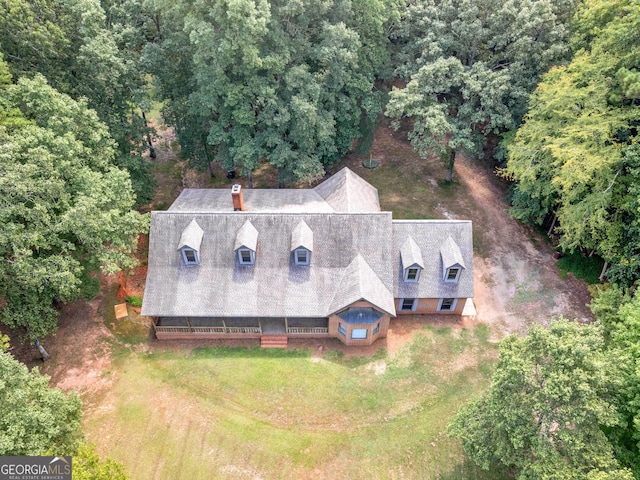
{"x": 358, "y": 253}
{"x": 274, "y": 286}
{"x": 343, "y": 192}
{"x": 247, "y": 237}
{"x": 347, "y": 192}
{"x": 431, "y": 235}
{"x": 302, "y": 236}
{"x": 410, "y": 254}
{"x": 255, "y": 200}
{"x": 191, "y": 236}
{"x": 451, "y": 254}
{"x": 360, "y": 282}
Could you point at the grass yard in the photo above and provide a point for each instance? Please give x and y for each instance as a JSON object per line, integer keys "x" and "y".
{"x": 221, "y": 412}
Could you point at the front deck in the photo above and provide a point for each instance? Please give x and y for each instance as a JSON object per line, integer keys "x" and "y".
{"x": 238, "y": 327}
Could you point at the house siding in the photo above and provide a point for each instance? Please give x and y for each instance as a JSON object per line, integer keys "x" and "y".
{"x": 430, "y": 305}
{"x": 335, "y": 320}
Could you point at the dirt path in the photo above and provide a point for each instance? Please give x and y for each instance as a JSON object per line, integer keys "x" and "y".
{"x": 518, "y": 283}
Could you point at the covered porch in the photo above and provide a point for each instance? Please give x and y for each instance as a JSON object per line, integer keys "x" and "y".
{"x": 239, "y": 327}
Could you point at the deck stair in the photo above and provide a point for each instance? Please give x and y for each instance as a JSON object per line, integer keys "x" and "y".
{"x": 274, "y": 341}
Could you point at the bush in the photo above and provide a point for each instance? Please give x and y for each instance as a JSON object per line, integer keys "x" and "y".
{"x": 585, "y": 268}
{"x": 89, "y": 282}
{"x": 134, "y": 300}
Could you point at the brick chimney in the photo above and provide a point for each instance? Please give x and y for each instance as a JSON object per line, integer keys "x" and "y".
{"x": 236, "y": 195}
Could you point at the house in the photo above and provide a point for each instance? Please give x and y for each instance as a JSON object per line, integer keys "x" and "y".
{"x": 320, "y": 262}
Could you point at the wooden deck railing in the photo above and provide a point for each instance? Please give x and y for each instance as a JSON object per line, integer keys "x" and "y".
{"x": 236, "y": 330}
{"x": 196, "y": 330}
{"x": 308, "y": 330}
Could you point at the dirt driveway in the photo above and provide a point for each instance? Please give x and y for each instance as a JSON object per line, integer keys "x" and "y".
{"x": 517, "y": 282}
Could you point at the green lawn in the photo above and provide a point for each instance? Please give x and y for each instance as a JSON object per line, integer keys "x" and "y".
{"x": 255, "y": 413}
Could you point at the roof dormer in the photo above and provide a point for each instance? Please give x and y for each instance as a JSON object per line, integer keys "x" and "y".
{"x": 302, "y": 244}
{"x": 412, "y": 262}
{"x": 452, "y": 261}
{"x": 246, "y": 244}
{"x": 190, "y": 242}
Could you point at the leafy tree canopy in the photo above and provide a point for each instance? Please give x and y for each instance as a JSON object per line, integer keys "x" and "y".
{"x": 619, "y": 313}
{"x": 576, "y": 155}
{"x": 34, "y": 418}
{"x": 470, "y": 66}
{"x": 71, "y": 44}
{"x": 87, "y": 465}
{"x": 553, "y": 394}
{"x": 64, "y": 203}
{"x": 270, "y": 80}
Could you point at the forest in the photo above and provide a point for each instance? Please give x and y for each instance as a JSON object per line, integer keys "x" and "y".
{"x": 546, "y": 92}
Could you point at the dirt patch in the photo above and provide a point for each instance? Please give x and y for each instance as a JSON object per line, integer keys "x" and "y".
{"x": 517, "y": 281}
{"x": 80, "y": 351}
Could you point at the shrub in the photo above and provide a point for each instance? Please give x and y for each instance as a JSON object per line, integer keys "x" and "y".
{"x": 134, "y": 300}
{"x": 585, "y": 268}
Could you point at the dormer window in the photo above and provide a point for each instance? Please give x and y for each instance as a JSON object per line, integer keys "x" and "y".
{"x": 411, "y": 274}
{"x": 246, "y": 256}
{"x": 302, "y": 244}
{"x": 302, "y": 256}
{"x": 452, "y": 261}
{"x": 246, "y": 244}
{"x": 190, "y": 257}
{"x": 412, "y": 261}
{"x": 190, "y": 242}
{"x": 452, "y": 275}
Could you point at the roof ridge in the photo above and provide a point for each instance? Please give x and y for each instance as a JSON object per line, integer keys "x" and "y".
{"x": 363, "y": 273}
{"x": 276, "y": 213}
{"x": 431, "y": 220}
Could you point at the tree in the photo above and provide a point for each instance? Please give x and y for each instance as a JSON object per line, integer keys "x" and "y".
{"x": 453, "y": 108}
{"x": 619, "y": 313}
{"x": 576, "y": 155}
{"x": 73, "y": 47}
{"x": 64, "y": 204}
{"x": 552, "y": 396}
{"x": 87, "y": 465}
{"x": 470, "y": 66}
{"x": 271, "y": 81}
{"x": 35, "y": 418}
{"x": 33, "y": 38}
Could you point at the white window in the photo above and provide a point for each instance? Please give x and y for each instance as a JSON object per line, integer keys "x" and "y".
{"x": 301, "y": 256}
{"x": 447, "y": 304}
{"x": 246, "y": 256}
{"x": 359, "y": 333}
{"x": 377, "y": 328}
{"x": 342, "y": 330}
{"x": 453, "y": 274}
{"x": 190, "y": 256}
{"x": 408, "y": 304}
{"x": 411, "y": 274}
